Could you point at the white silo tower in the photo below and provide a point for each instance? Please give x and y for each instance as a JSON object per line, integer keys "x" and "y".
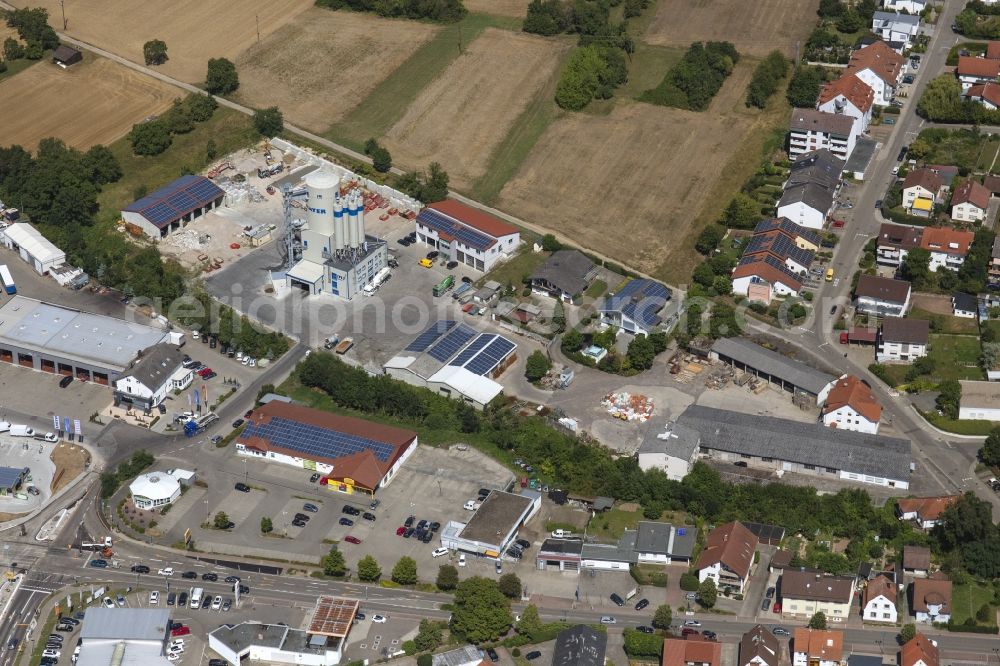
{"x": 322, "y": 195}
{"x": 339, "y": 224}
{"x": 354, "y": 224}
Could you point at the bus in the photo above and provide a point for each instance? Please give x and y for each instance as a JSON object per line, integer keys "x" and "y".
{"x": 8, "y": 281}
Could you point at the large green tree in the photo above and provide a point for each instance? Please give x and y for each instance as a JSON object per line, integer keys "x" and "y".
{"x": 268, "y": 122}
{"x": 707, "y": 593}
{"x": 942, "y": 100}
{"x": 333, "y": 563}
{"x": 221, "y": 520}
{"x": 510, "y": 585}
{"x": 150, "y": 138}
{"x": 481, "y": 611}
{"x": 369, "y": 569}
{"x": 663, "y": 616}
{"x": 803, "y": 89}
{"x": 989, "y": 454}
{"x": 641, "y": 353}
{"x": 221, "y": 78}
{"x": 405, "y": 571}
{"x": 537, "y": 366}
{"x": 949, "y": 396}
{"x": 447, "y": 578}
{"x": 154, "y": 52}
{"x": 818, "y": 620}
{"x": 916, "y": 267}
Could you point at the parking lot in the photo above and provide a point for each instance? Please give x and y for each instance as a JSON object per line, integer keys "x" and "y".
{"x": 21, "y": 452}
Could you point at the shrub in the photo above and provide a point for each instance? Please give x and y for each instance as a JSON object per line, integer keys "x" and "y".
{"x": 766, "y": 78}
{"x": 689, "y": 582}
{"x": 591, "y": 71}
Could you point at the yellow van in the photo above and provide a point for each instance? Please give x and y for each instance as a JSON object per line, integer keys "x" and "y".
{"x": 426, "y": 263}
{"x": 829, "y": 275}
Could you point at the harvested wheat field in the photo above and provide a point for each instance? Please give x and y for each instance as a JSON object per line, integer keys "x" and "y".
{"x": 516, "y": 8}
{"x": 466, "y": 112}
{"x": 644, "y": 171}
{"x": 323, "y": 64}
{"x": 755, "y": 28}
{"x": 96, "y": 101}
{"x": 194, "y": 30}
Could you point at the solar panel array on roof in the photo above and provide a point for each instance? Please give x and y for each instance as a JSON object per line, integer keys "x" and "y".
{"x": 484, "y": 353}
{"x": 315, "y": 442}
{"x": 174, "y": 201}
{"x": 466, "y": 235}
{"x": 433, "y": 332}
{"x": 452, "y": 342}
{"x": 780, "y": 245}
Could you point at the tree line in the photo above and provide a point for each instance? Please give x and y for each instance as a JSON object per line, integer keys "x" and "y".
{"x": 442, "y": 11}
{"x": 979, "y": 21}
{"x": 766, "y": 78}
{"x": 942, "y": 102}
{"x": 694, "y": 80}
{"x": 33, "y": 28}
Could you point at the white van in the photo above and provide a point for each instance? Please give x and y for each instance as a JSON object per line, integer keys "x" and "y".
{"x": 4, "y": 426}
{"x": 561, "y": 534}
{"x": 471, "y": 505}
{"x": 21, "y": 431}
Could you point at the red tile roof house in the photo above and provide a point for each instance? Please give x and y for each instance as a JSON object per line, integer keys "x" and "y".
{"x": 728, "y": 556}
{"x": 987, "y": 94}
{"x": 948, "y": 247}
{"x": 849, "y": 96}
{"x": 880, "y": 68}
{"x": 695, "y": 651}
{"x": 970, "y": 201}
{"x": 920, "y": 650}
{"x": 931, "y": 598}
{"x": 972, "y": 71}
{"x": 878, "y": 603}
{"x": 925, "y": 511}
{"x": 851, "y": 405}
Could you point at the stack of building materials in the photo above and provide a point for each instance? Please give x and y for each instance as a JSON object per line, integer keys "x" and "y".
{"x": 628, "y": 406}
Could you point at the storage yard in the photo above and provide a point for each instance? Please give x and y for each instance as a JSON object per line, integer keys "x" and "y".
{"x": 773, "y": 24}
{"x": 322, "y": 64}
{"x": 96, "y": 101}
{"x": 474, "y": 103}
{"x": 194, "y": 30}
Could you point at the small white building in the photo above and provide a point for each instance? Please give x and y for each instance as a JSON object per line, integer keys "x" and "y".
{"x": 851, "y": 405}
{"x": 901, "y": 340}
{"x": 970, "y": 202}
{"x": 849, "y": 96}
{"x": 811, "y": 130}
{"x": 882, "y": 296}
{"x": 895, "y": 28}
{"x": 908, "y": 6}
{"x": 672, "y": 450}
{"x": 157, "y": 372}
{"x": 948, "y": 247}
{"x": 931, "y": 598}
{"x": 965, "y": 306}
{"x": 921, "y": 191}
{"x": 817, "y": 647}
{"x": 32, "y": 247}
{"x": 879, "y": 601}
{"x": 980, "y": 401}
{"x": 154, "y": 490}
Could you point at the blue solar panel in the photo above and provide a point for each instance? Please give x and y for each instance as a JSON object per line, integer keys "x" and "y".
{"x": 490, "y": 357}
{"x": 315, "y": 442}
{"x": 176, "y": 199}
{"x": 452, "y": 342}
{"x": 444, "y": 224}
{"x": 474, "y": 346}
{"x": 639, "y": 300}
{"x": 9, "y": 476}
{"x": 433, "y": 332}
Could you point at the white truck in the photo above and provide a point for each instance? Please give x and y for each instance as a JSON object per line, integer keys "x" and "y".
{"x": 377, "y": 281}
{"x": 17, "y": 430}
{"x": 561, "y": 534}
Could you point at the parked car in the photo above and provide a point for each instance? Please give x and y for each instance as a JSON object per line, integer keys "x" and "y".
{"x": 492, "y": 654}
{"x": 608, "y": 619}
{"x": 780, "y": 631}
{"x": 523, "y": 543}
{"x": 65, "y": 381}
{"x": 298, "y": 523}
{"x": 311, "y": 508}
{"x": 182, "y": 599}
{"x": 368, "y": 516}
{"x": 400, "y": 530}
{"x": 352, "y": 539}
{"x": 642, "y": 603}
{"x": 534, "y": 654}
{"x": 438, "y": 552}
{"x": 232, "y": 579}
{"x": 433, "y": 254}
{"x": 242, "y": 487}
{"x": 347, "y": 522}
{"x": 765, "y": 604}
{"x": 409, "y": 521}
{"x": 692, "y": 623}
{"x": 710, "y": 635}
{"x": 189, "y": 574}
{"x": 100, "y": 564}
{"x": 350, "y": 510}
{"x": 644, "y": 629}
{"x": 140, "y": 569}
{"x": 166, "y": 571}
{"x": 770, "y": 593}
{"x": 238, "y": 422}
{"x": 154, "y": 598}
{"x": 210, "y": 576}
{"x": 379, "y": 619}
{"x": 878, "y": 204}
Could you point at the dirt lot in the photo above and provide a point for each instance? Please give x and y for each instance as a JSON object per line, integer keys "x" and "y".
{"x": 650, "y": 168}
{"x": 773, "y": 24}
{"x": 322, "y": 64}
{"x": 465, "y": 113}
{"x": 516, "y": 8}
{"x": 194, "y": 30}
{"x": 70, "y": 461}
{"x": 936, "y": 303}
{"x": 96, "y": 101}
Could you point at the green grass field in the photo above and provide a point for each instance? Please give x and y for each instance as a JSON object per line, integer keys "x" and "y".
{"x": 387, "y": 103}
{"x": 646, "y": 68}
{"x": 948, "y": 323}
{"x": 612, "y": 523}
{"x": 955, "y": 356}
{"x": 967, "y": 599}
{"x": 15, "y": 67}
{"x": 962, "y": 148}
{"x": 518, "y": 267}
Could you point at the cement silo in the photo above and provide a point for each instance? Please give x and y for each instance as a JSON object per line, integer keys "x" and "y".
{"x": 339, "y": 224}
{"x": 356, "y": 208}
{"x": 322, "y": 195}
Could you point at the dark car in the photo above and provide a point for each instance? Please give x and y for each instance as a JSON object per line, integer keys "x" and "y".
{"x": 523, "y": 543}
{"x": 902, "y": 153}
{"x": 218, "y": 662}
{"x": 232, "y": 579}
{"x": 176, "y": 625}
{"x": 618, "y": 600}
{"x": 301, "y": 516}
{"x": 347, "y": 521}
{"x": 642, "y": 603}
{"x": 833, "y": 309}
{"x": 422, "y": 524}
{"x": 63, "y": 383}
{"x": 375, "y": 504}
{"x": 765, "y": 604}
{"x": 710, "y": 635}
{"x": 435, "y": 526}
{"x": 492, "y": 654}
{"x": 350, "y": 510}
{"x": 299, "y": 523}
{"x": 408, "y": 533}
{"x": 140, "y": 568}
{"x": 878, "y": 205}
{"x": 466, "y": 279}
{"x": 368, "y": 516}
{"x": 433, "y": 254}
{"x": 162, "y": 408}
{"x": 244, "y": 589}
{"x": 515, "y": 553}
{"x": 189, "y": 574}
{"x": 419, "y": 532}
{"x": 242, "y": 487}
{"x": 534, "y": 654}
{"x": 12, "y": 644}
{"x": 100, "y": 564}
{"x": 451, "y": 264}
{"x": 688, "y": 631}
{"x": 65, "y": 627}
{"x": 314, "y": 478}
{"x": 238, "y": 422}
{"x": 182, "y": 599}
{"x": 427, "y": 536}
{"x": 770, "y": 593}
{"x": 210, "y": 577}
{"x": 643, "y": 629}
{"x": 409, "y": 521}
{"x": 207, "y": 603}
{"x": 171, "y": 598}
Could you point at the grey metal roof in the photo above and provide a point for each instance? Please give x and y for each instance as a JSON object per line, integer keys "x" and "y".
{"x": 568, "y": 271}
{"x": 156, "y": 365}
{"x": 664, "y": 538}
{"x": 673, "y": 439}
{"x": 623, "y": 551}
{"x": 861, "y": 156}
{"x": 891, "y": 17}
{"x": 467, "y": 654}
{"x": 803, "y": 443}
{"x": 562, "y": 546}
{"x": 140, "y": 624}
{"x": 772, "y": 363}
{"x": 246, "y": 634}
{"x": 819, "y": 166}
{"x": 499, "y": 513}
{"x": 120, "y": 653}
{"x": 966, "y": 302}
{"x": 811, "y": 120}
{"x": 580, "y": 646}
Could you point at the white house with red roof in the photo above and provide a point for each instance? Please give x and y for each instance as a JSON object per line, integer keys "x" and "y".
{"x": 948, "y": 247}
{"x": 972, "y": 71}
{"x": 880, "y": 68}
{"x": 851, "y": 405}
{"x": 849, "y": 96}
{"x": 970, "y": 201}
{"x": 466, "y": 235}
{"x": 728, "y": 556}
{"x": 987, "y": 94}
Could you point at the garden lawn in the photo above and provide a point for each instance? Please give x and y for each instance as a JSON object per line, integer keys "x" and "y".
{"x": 994, "y": 326}
{"x": 955, "y": 356}
{"x": 948, "y": 323}
{"x": 518, "y": 267}
{"x": 963, "y": 148}
{"x": 612, "y": 523}
{"x": 966, "y": 599}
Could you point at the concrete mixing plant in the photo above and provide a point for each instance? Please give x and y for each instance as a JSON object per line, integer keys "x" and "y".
{"x": 338, "y": 258}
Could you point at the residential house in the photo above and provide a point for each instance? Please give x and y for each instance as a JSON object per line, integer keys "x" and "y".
{"x": 672, "y": 450}
{"x": 879, "y": 601}
{"x": 851, "y": 405}
{"x": 896, "y": 29}
{"x": 921, "y": 190}
{"x": 908, "y": 6}
{"x": 901, "y": 340}
{"x": 157, "y": 373}
{"x": 994, "y": 266}
{"x": 948, "y": 247}
{"x": 916, "y": 560}
{"x": 980, "y": 400}
{"x": 894, "y": 241}
{"x": 930, "y": 598}
{"x": 849, "y": 96}
{"x": 728, "y": 556}
{"x": 970, "y": 201}
{"x": 663, "y": 543}
{"x": 565, "y": 274}
{"x": 817, "y": 647}
{"x": 695, "y": 650}
{"x": 635, "y": 309}
{"x": 964, "y": 305}
{"x": 804, "y": 239}
{"x": 987, "y": 94}
{"x": 924, "y": 511}
{"x": 919, "y": 651}
{"x": 881, "y": 296}
{"x": 759, "y": 647}
{"x": 772, "y": 265}
{"x": 804, "y": 593}
{"x": 880, "y": 68}
{"x": 811, "y": 130}
{"x": 973, "y": 71}
{"x": 811, "y": 188}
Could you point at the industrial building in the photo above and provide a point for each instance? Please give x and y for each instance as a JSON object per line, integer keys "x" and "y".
{"x": 158, "y": 372}
{"x": 338, "y": 257}
{"x": 173, "y": 206}
{"x": 453, "y": 359}
{"x": 671, "y": 450}
{"x": 494, "y": 525}
{"x": 466, "y": 235}
{"x": 124, "y": 636}
{"x": 636, "y": 308}
{"x": 32, "y": 247}
{"x": 322, "y": 644}
{"x": 353, "y": 455}
{"x": 764, "y": 442}
{"x": 11, "y": 479}
{"x": 788, "y": 374}
{"x": 60, "y": 340}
